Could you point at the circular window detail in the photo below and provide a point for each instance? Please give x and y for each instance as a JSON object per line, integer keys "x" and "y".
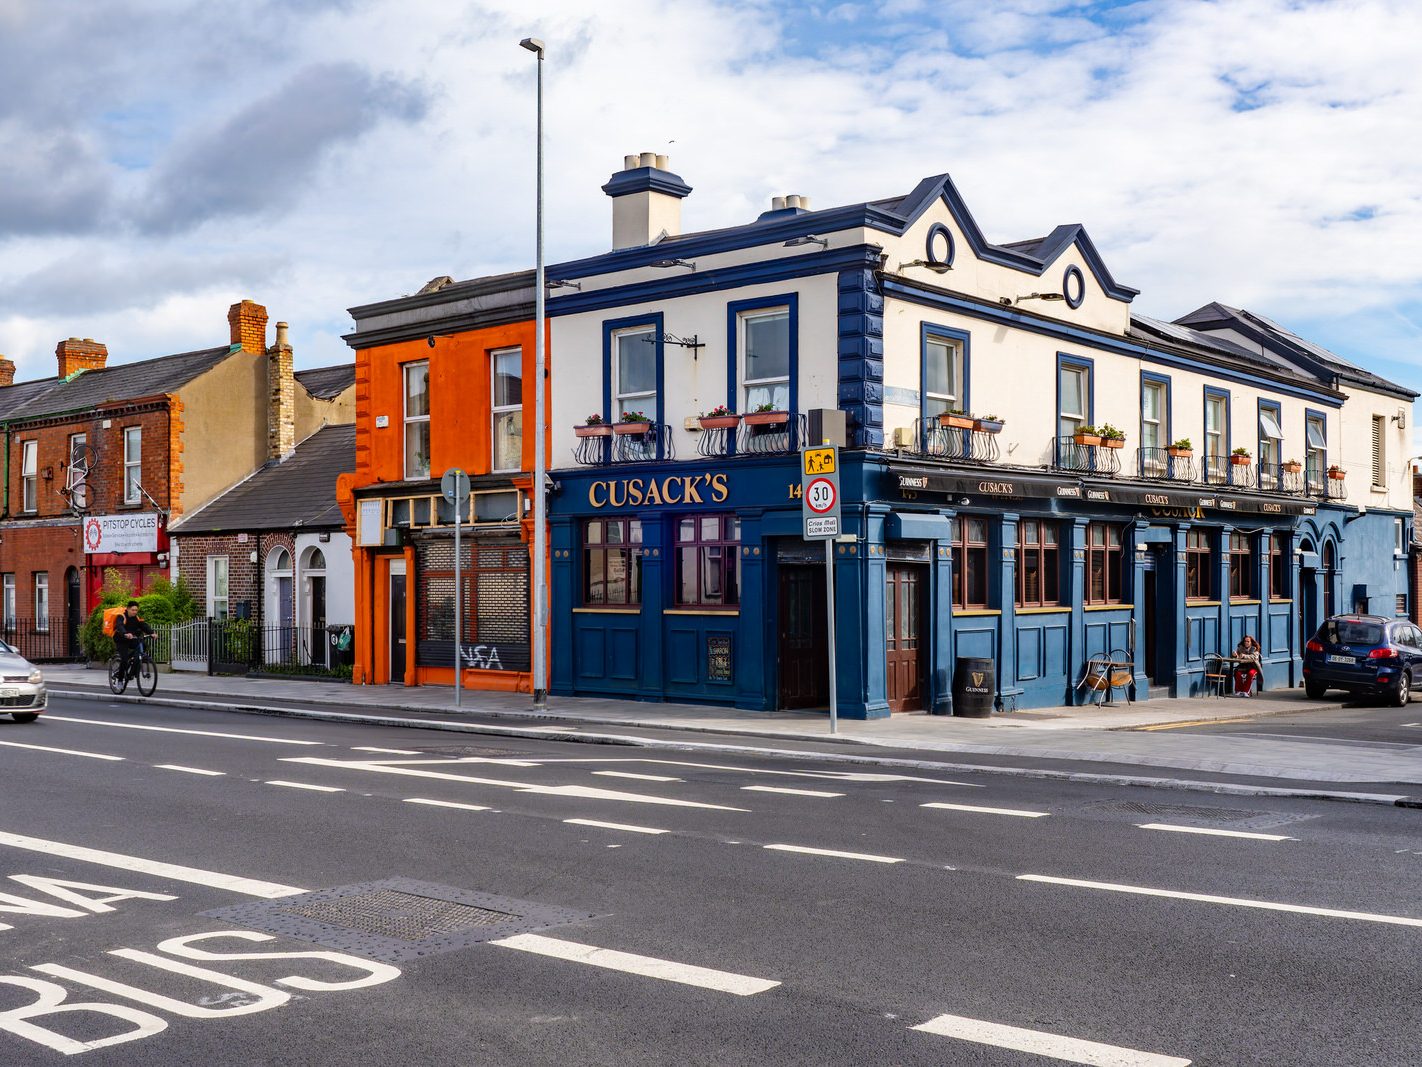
{"x": 1073, "y": 286}
{"x": 938, "y": 249}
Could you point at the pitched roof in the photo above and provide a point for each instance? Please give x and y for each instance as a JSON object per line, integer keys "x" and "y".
{"x": 298, "y": 492}
{"x": 127, "y": 381}
{"x": 327, "y": 383}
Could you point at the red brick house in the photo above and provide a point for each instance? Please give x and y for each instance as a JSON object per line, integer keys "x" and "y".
{"x": 100, "y": 460}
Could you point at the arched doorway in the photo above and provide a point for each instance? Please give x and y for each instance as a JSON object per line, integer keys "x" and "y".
{"x": 313, "y": 608}
{"x": 280, "y": 640}
{"x": 73, "y": 609}
{"x": 1330, "y": 567}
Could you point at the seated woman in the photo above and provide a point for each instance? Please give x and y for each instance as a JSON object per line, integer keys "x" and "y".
{"x": 1247, "y": 672}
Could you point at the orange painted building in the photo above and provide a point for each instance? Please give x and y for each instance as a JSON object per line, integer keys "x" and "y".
{"x": 442, "y": 381}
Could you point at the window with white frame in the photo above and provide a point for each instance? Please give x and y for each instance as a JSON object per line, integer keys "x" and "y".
{"x": 942, "y": 376}
{"x": 1379, "y": 451}
{"x": 417, "y": 420}
{"x": 41, "y": 600}
{"x": 132, "y": 465}
{"x": 506, "y": 391}
{"x": 217, "y": 599}
{"x": 1399, "y": 536}
{"x": 77, "y": 477}
{"x": 1316, "y": 449}
{"x": 1215, "y": 426}
{"x": 29, "y": 475}
{"x": 1153, "y": 443}
{"x": 1074, "y": 389}
{"x": 765, "y": 360}
{"x": 634, "y": 377}
{"x": 8, "y": 583}
{"x": 1271, "y": 436}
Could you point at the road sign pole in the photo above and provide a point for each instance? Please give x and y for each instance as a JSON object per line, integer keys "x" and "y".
{"x": 821, "y": 516}
{"x": 829, "y": 621}
{"x": 458, "y": 608}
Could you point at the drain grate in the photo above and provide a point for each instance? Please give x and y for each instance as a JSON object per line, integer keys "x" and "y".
{"x": 1238, "y": 818}
{"x": 397, "y": 918}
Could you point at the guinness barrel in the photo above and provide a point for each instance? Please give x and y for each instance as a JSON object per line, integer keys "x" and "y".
{"x": 974, "y": 683}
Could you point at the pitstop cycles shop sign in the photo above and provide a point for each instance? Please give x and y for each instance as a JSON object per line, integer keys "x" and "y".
{"x": 121, "y": 533}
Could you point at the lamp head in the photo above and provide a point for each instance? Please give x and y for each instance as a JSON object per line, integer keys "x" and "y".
{"x": 533, "y": 44}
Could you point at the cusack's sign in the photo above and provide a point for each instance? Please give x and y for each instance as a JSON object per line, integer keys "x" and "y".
{"x": 673, "y": 489}
{"x": 121, "y": 533}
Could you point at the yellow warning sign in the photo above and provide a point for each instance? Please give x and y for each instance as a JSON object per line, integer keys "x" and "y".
{"x": 819, "y": 460}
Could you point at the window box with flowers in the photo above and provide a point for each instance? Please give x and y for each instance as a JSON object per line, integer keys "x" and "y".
{"x": 719, "y": 418}
{"x": 1336, "y": 473}
{"x": 988, "y": 424}
{"x": 593, "y": 426}
{"x": 1087, "y": 436}
{"x": 633, "y": 424}
{"x": 1240, "y": 457}
{"x": 1181, "y": 449}
{"x": 1112, "y": 437}
{"x": 1292, "y": 466}
{"x": 765, "y": 419}
{"x": 956, "y": 419}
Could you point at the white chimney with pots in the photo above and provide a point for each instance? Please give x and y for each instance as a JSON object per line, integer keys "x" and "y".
{"x": 646, "y": 200}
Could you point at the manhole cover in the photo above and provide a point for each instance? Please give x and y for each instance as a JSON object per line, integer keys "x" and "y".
{"x": 397, "y": 918}
{"x": 1239, "y": 818}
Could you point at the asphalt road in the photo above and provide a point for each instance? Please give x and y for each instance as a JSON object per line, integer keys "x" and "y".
{"x": 1353, "y": 723}
{"x": 674, "y": 908}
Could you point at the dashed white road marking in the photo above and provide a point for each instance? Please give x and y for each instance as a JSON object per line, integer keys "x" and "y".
{"x": 172, "y": 871}
{"x": 1212, "y": 832}
{"x": 584, "y": 792}
{"x": 1238, "y": 902}
{"x": 445, "y": 804}
{"x": 638, "y": 777}
{"x": 791, "y": 792}
{"x": 988, "y": 811}
{"x": 389, "y": 751}
{"x": 740, "y": 985}
{"x": 845, "y": 776}
{"x": 1039, "y": 1043}
{"x": 189, "y": 770}
{"x": 62, "y": 751}
{"x": 616, "y": 826}
{"x": 178, "y": 730}
{"x": 831, "y": 852}
{"x": 306, "y": 785}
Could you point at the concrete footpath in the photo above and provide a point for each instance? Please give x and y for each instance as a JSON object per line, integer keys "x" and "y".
{"x": 1135, "y": 735}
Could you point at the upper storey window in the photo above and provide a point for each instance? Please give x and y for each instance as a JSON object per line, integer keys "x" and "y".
{"x": 765, "y": 367}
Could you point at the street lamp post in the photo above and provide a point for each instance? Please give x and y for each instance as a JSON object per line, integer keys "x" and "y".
{"x": 540, "y": 509}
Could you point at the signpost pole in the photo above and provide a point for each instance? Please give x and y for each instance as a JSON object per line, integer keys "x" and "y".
{"x": 821, "y": 515}
{"x": 829, "y": 622}
{"x": 458, "y": 606}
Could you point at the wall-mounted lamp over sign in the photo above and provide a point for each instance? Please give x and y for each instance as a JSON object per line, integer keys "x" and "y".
{"x": 807, "y": 239}
{"x": 1401, "y": 418}
{"x": 1009, "y": 301}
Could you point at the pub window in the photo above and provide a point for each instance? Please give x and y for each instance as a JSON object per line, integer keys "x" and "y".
{"x": 1103, "y": 563}
{"x": 1038, "y": 564}
{"x": 1279, "y": 567}
{"x": 708, "y": 562}
{"x": 133, "y": 464}
{"x": 29, "y": 475}
{"x": 507, "y": 394}
{"x": 1197, "y": 565}
{"x": 417, "y": 420}
{"x": 1240, "y": 572}
{"x": 765, "y": 370}
{"x": 970, "y": 559}
{"x": 41, "y": 601}
{"x": 612, "y": 562}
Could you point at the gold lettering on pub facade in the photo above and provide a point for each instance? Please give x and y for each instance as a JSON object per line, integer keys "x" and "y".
{"x": 673, "y": 489}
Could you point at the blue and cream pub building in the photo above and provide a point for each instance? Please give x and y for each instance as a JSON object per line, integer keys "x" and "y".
{"x": 1030, "y": 472}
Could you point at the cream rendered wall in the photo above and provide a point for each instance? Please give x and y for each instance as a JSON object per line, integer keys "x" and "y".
{"x": 311, "y": 413}
{"x": 1354, "y": 440}
{"x": 224, "y": 428}
{"x": 690, "y": 386}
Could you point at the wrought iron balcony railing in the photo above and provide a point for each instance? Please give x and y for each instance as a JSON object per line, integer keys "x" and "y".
{"x": 1223, "y": 470}
{"x": 1334, "y": 488}
{"x": 973, "y": 446}
{"x": 1159, "y": 465}
{"x": 1067, "y": 455}
{"x": 650, "y": 441}
{"x": 1280, "y": 478}
{"x": 770, "y": 439}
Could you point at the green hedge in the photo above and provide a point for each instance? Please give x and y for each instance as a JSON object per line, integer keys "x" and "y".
{"x": 163, "y": 604}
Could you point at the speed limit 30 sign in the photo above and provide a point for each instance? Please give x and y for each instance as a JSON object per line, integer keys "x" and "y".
{"x": 819, "y": 493}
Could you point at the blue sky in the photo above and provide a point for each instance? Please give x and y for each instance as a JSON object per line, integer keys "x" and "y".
{"x": 164, "y": 159}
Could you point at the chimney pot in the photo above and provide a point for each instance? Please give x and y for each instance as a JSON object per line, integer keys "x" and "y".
{"x": 662, "y": 162}
{"x": 645, "y": 204}
{"x": 793, "y": 200}
{"x": 281, "y": 338}
{"x": 777, "y": 203}
{"x": 805, "y": 202}
{"x": 629, "y": 162}
{"x": 647, "y": 159}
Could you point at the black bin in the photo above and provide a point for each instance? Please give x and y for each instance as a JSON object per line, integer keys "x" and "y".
{"x": 974, "y": 683}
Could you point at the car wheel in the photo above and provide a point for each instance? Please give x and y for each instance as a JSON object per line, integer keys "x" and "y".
{"x": 24, "y": 716}
{"x": 1315, "y": 690}
{"x": 1403, "y": 693}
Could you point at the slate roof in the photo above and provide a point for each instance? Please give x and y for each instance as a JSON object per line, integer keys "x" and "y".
{"x": 299, "y": 492}
{"x": 1147, "y": 329}
{"x": 127, "y": 381}
{"x": 327, "y": 383}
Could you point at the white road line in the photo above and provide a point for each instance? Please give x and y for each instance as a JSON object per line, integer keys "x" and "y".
{"x": 61, "y": 751}
{"x": 831, "y": 852}
{"x": 616, "y": 826}
{"x": 171, "y": 871}
{"x": 791, "y": 792}
{"x": 390, "y": 751}
{"x": 189, "y": 770}
{"x": 685, "y": 974}
{"x": 988, "y": 811}
{"x": 177, "y": 730}
{"x": 1211, "y": 832}
{"x": 1239, "y": 902}
{"x": 638, "y": 777}
{"x": 1069, "y": 1049}
{"x": 583, "y": 792}
{"x": 307, "y": 785}
{"x": 446, "y": 804}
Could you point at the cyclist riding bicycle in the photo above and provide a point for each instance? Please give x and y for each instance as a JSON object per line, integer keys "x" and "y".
{"x": 129, "y": 632}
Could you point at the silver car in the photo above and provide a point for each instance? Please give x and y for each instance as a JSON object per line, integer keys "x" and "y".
{"x": 22, "y": 692}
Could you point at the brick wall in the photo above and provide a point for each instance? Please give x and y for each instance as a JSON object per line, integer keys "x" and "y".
{"x": 106, "y": 478}
{"x": 244, "y": 578}
{"x": 27, "y": 551}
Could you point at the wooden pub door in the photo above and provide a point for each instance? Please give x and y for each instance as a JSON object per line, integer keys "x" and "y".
{"x": 803, "y": 647}
{"x": 904, "y": 636}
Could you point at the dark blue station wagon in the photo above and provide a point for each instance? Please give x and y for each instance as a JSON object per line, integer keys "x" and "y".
{"x": 1367, "y": 655}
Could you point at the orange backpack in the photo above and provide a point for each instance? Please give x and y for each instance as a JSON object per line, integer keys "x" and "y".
{"x": 111, "y": 616}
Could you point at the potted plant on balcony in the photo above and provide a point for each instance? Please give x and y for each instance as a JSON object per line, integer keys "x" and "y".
{"x": 1240, "y": 457}
{"x": 1292, "y": 466}
{"x": 1181, "y": 449}
{"x": 637, "y": 423}
{"x": 1087, "y": 435}
{"x": 1112, "y": 437}
{"x": 719, "y": 418}
{"x": 988, "y": 424}
{"x": 956, "y": 419}
{"x": 765, "y": 418}
{"x": 1336, "y": 472}
{"x": 593, "y": 426}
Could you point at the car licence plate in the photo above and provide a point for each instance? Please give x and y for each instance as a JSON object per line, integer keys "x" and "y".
{"x": 10, "y": 692}
{"x": 1343, "y": 659}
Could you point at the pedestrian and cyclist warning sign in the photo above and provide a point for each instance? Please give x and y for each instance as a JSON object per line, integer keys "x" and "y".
{"x": 819, "y": 493}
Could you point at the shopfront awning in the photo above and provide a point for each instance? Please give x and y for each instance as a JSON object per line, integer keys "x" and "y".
{"x": 988, "y": 483}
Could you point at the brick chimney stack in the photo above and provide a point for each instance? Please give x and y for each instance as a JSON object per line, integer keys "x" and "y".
{"x": 249, "y": 326}
{"x": 281, "y": 397}
{"x": 7, "y": 371}
{"x": 75, "y": 355}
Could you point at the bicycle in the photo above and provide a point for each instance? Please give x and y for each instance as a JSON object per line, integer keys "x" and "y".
{"x": 143, "y": 670}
